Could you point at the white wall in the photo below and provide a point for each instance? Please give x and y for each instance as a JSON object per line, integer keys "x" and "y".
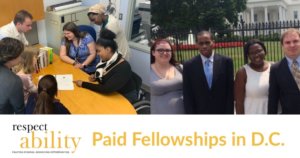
{"x": 41, "y": 24}
{"x": 290, "y": 12}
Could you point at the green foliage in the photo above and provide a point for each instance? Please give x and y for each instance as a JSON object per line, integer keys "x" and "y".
{"x": 199, "y": 14}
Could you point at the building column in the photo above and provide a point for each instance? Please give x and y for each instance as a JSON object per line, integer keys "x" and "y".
{"x": 252, "y": 15}
{"x": 284, "y": 14}
{"x": 280, "y": 10}
{"x": 266, "y": 15}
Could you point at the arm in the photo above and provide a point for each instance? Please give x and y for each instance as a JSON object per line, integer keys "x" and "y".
{"x": 273, "y": 92}
{"x": 187, "y": 94}
{"x": 17, "y": 97}
{"x": 117, "y": 81}
{"x": 92, "y": 50}
{"x": 32, "y": 87}
{"x": 239, "y": 90}
{"x": 230, "y": 103}
{"x": 63, "y": 55}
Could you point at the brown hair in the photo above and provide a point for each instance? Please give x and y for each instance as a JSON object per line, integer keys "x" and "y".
{"x": 153, "y": 47}
{"x": 289, "y": 31}
{"x": 10, "y": 49}
{"x": 27, "y": 58}
{"x": 72, "y": 27}
{"x": 21, "y": 16}
{"x": 47, "y": 90}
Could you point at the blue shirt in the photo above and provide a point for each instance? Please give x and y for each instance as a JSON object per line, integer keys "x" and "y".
{"x": 82, "y": 52}
{"x": 290, "y": 62}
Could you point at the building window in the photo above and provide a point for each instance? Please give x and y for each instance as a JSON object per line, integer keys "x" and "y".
{"x": 255, "y": 17}
{"x": 295, "y": 15}
{"x": 141, "y": 26}
{"x": 268, "y": 16}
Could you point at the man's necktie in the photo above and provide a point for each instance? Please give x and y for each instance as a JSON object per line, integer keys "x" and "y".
{"x": 208, "y": 72}
{"x": 296, "y": 72}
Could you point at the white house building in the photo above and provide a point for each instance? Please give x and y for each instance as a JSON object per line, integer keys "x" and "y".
{"x": 271, "y": 11}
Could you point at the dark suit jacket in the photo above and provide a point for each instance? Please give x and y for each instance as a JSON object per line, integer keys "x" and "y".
{"x": 283, "y": 88}
{"x": 198, "y": 98}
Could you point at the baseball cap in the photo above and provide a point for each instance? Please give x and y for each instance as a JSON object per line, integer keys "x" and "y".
{"x": 97, "y": 8}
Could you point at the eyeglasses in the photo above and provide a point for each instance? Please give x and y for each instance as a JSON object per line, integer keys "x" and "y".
{"x": 161, "y": 51}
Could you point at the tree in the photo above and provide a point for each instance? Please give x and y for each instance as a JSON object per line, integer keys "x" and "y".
{"x": 196, "y": 14}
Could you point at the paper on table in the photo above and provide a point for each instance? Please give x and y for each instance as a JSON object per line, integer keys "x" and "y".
{"x": 64, "y": 82}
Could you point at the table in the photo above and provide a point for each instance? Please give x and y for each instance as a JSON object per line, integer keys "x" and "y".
{"x": 81, "y": 100}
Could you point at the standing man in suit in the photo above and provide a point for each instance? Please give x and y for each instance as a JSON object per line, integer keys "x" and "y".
{"x": 98, "y": 14}
{"x": 208, "y": 80}
{"x": 285, "y": 76}
{"x": 20, "y": 25}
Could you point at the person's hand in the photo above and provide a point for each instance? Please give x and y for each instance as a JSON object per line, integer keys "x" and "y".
{"x": 92, "y": 78}
{"x": 78, "y": 65}
{"x": 78, "y": 83}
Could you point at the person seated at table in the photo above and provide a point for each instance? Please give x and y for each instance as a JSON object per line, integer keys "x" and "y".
{"x": 44, "y": 102}
{"x": 11, "y": 87}
{"x": 78, "y": 48}
{"x": 26, "y": 68}
{"x": 113, "y": 73}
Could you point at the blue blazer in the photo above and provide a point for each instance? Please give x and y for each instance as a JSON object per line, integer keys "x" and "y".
{"x": 197, "y": 97}
{"x": 283, "y": 88}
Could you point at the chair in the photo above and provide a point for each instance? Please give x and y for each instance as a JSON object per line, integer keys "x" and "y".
{"x": 88, "y": 29}
{"x": 141, "y": 106}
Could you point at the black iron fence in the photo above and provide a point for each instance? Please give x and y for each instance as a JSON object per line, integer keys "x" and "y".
{"x": 230, "y": 42}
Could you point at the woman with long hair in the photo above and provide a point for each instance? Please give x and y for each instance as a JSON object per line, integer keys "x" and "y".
{"x": 78, "y": 48}
{"x": 166, "y": 80}
{"x": 44, "y": 102}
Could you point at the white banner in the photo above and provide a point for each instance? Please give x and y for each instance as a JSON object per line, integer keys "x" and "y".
{"x": 155, "y": 136}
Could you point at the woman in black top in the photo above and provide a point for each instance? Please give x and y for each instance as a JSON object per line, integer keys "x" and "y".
{"x": 44, "y": 102}
{"x": 113, "y": 73}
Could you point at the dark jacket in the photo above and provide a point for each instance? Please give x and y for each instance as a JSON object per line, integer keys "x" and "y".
{"x": 197, "y": 97}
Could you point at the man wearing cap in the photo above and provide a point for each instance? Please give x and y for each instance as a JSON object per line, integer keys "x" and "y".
{"x": 98, "y": 15}
{"x": 16, "y": 29}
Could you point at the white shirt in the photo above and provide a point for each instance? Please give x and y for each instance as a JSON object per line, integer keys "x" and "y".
{"x": 10, "y": 30}
{"x": 114, "y": 26}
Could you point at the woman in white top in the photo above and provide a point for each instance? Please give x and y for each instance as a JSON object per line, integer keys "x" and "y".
{"x": 252, "y": 81}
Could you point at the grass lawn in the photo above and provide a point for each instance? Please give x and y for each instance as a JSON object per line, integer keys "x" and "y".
{"x": 236, "y": 53}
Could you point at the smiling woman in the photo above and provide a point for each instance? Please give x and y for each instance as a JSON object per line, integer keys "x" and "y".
{"x": 165, "y": 80}
{"x": 252, "y": 81}
{"x": 78, "y": 48}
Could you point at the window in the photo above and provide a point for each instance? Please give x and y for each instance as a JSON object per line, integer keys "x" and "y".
{"x": 141, "y": 22}
{"x": 295, "y": 15}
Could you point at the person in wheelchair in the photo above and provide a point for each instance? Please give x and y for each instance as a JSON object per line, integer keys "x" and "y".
{"x": 113, "y": 72}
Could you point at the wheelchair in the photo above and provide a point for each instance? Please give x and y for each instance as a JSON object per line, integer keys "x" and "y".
{"x": 142, "y": 106}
